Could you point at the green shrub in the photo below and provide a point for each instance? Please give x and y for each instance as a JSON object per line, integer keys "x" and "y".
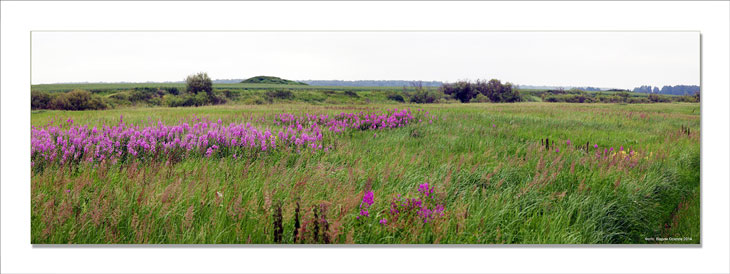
{"x": 39, "y": 99}
{"x": 424, "y": 96}
{"x": 172, "y": 100}
{"x": 216, "y": 99}
{"x": 189, "y": 100}
{"x": 155, "y": 101}
{"x": 77, "y": 100}
{"x": 531, "y": 98}
{"x": 279, "y": 94}
{"x": 351, "y": 93}
{"x": 142, "y": 95}
{"x": 230, "y": 94}
{"x": 172, "y": 90}
{"x": 480, "y": 98}
{"x": 638, "y": 100}
{"x": 123, "y": 96}
{"x": 199, "y": 82}
{"x": 396, "y": 97}
{"x": 493, "y": 89}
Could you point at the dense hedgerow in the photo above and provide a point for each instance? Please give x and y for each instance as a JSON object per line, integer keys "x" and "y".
{"x": 73, "y": 100}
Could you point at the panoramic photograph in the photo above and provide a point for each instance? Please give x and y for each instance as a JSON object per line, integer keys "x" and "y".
{"x": 365, "y": 137}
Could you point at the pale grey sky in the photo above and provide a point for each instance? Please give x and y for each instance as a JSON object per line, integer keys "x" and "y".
{"x": 599, "y": 59}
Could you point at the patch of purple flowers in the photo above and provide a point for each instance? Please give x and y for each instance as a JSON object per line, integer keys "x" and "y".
{"x": 424, "y": 208}
{"x": 69, "y": 143}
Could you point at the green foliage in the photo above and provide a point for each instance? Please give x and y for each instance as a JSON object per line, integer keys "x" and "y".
{"x": 423, "y": 96}
{"x": 493, "y": 90}
{"x": 655, "y": 98}
{"x": 498, "y": 92}
{"x": 122, "y": 96}
{"x": 571, "y": 98}
{"x": 152, "y": 94}
{"x": 76, "y": 100}
{"x": 188, "y": 100}
{"x": 39, "y": 99}
{"x": 480, "y": 98}
{"x": 172, "y": 90}
{"x": 464, "y": 91}
{"x": 396, "y": 97}
{"x": 351, "y": 93}
{"x": 230, "y": 94}
{"x": 199, "y": 82}
{"x": 142, "y": 94}
{"x": 282, "y": 94}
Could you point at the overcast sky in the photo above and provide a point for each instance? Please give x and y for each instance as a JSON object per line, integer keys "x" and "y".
{"x": 598, "y": 59}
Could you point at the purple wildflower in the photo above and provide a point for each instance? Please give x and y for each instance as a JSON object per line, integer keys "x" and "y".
{"x": 368, "y": 198}
{"x": 425, "y": 189}
{"x": 383, "y": 221}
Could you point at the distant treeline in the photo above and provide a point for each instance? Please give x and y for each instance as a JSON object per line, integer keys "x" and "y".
{"x": 369, "y": 83}
{"x": 669, "y": 90}
{"x": 560, "y": 87}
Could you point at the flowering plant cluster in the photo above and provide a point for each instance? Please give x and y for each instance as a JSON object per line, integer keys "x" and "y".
{"x": 391, "y": 118}
{"x": 367, "y": 200}
{"x": 424, "y": 208}
{"x": 75, "y": 143}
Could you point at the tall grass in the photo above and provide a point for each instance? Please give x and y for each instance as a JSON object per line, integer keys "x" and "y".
{"x": 496, "y": 181}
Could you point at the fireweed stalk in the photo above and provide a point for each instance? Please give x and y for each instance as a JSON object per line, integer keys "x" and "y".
{"x": 367, "y": 200}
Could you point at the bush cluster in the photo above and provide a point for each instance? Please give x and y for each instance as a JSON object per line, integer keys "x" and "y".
{"x": 199, "y": 82}
{"x": 279, "y": 94}
{"x": 424, "y": 96}
{"x": 396, "y": 97}
{"x": 73, "y": 100}
{"x": 492, "y": 91}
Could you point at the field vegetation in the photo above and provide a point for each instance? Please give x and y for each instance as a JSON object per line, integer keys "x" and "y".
{"x": 262, "y": 90}
{"x": 317, "y": 165}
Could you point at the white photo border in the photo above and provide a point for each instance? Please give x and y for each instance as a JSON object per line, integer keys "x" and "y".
{"x": 20, "y": 18}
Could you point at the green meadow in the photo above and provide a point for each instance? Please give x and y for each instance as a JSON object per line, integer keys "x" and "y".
{"x": 505, "y": 173}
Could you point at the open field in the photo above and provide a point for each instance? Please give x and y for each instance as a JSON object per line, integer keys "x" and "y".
{"x": 454, "y": 174}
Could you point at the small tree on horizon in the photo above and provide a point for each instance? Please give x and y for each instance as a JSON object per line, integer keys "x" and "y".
{"x": 199, "y": 82}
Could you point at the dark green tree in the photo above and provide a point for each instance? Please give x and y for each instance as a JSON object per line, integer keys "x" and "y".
{"x": 199, "y": 82}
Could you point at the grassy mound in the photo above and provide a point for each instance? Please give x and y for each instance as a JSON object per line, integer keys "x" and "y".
{"x": 270, "y": 80}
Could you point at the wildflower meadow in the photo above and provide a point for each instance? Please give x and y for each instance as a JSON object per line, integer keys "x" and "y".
{"x": 525, "y": 173}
